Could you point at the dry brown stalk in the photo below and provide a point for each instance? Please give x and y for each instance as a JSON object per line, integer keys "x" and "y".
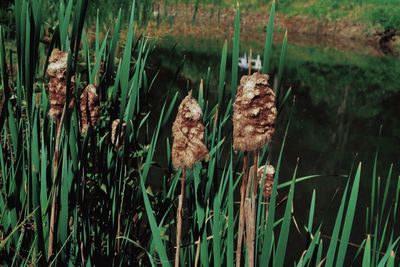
{"x": 241, "y": 211}
{"x": 196, "y": 261}
{"x": 179, "y": 218}
{"x": 187, "y": 149}
{"x": 249, "y": 232}
{"x": 89, "y": 106}
{"x": 251, "y": 222}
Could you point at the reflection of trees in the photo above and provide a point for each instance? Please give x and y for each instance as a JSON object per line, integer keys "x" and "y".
{"x": 340, "y": 136}
{"x": 371, "y": 84}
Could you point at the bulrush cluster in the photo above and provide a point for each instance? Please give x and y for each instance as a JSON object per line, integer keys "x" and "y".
{"x": 188, "y": 134}
{"x": 57, "y": 71}
{"x": 269, "y": 179}
{"x": 89, "y": 107}
{"x": 117, "y": 139}
{"x": 254, "y": 113}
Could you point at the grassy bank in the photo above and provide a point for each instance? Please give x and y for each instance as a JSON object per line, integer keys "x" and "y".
{"x": 382, "y": 13}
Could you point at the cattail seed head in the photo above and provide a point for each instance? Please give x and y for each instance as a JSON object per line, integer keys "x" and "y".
{"x": 117, "y": 138}
{"x": 89, "y": 107}
{"x": 254, "y": 113}
{"x": 57, "y": 67}
{"x": 269, "y": 178}
{"x": 188, "y": 134}
{"x": 57, "y": 86}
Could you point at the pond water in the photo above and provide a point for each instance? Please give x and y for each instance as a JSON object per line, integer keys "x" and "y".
{"x": 342, "y": 99}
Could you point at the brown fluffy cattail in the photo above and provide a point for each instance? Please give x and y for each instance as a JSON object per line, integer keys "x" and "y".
{"x": 269, "y": 179}
{"x": 254, "y": 113}
{"x": 89, "y": 107}
{"x": 117, "y": 139}
{"x": 57, "y": 71}
{"x": 188, "y": 134}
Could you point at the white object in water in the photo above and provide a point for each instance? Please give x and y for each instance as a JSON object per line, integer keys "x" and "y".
{"x": 243, "y": 64}
{"x": 256, "y": 64}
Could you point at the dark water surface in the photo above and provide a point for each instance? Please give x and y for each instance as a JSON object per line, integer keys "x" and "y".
{"x": 341, "y": 101}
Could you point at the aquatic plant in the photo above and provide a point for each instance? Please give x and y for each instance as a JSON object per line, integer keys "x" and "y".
{"x": 114, "y": 197}
{"x": 187, "y": 149}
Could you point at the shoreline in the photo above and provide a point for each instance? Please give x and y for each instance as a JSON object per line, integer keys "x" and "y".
{"x": 302, "y": 30}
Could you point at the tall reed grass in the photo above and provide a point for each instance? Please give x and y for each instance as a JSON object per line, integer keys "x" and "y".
{"x": 106, "y": 209}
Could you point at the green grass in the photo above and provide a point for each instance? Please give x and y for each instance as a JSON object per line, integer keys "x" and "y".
{"x": 116, "y": 204}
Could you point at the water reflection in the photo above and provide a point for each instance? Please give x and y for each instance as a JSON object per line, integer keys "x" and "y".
{"x": 341, "y": 101}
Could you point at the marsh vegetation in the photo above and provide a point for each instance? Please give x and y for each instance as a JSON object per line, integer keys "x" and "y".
{"x": 117, "y": 146}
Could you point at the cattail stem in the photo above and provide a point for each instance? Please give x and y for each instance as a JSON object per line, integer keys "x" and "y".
{"x": 249, "y": 231}
{"x": 179, "y": 218}
{"x": 254, "y": 203}
{"x": 120, "y": 215}
{"x": 196, "y": 261}
{"x": 252, "y": 216}
{"x": 255, "y": 175}
{"x": 250, "y": 55}
{"x": 266, "y": 210}
{"x": 53, "y": 215}
{"x": 241, "y": 211}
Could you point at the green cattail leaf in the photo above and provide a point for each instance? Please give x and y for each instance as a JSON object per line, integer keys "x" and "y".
{"x": 388, "y": 253}
{"x": 125, "y": 66}
{"x": 235, "y": 53}
{"x": 35, "y": 170}
{"x": 373, "y": 185}
{"x": 200, "y": 211}
{"x": 216, "y": 230}
{"x": 311, "y": 214}
{"x": 330, "y": 255}
{"x": 348, "y": 223}
{"x": 385, "y": 194}
{"x": 156, "y": 232}
{"x": 319, "y": 253}
{"x": 64, "y": 22}
{"x": 12, "y": 124}
{"x": 367, "y": 253}
{"x": 311, "y": 248}
{"x": 282, "y": 60}
{"x": 269, "y": 233}
{"x": 170, "y": 108}
{"x": 391, "y": 259}
{"x": 269, "y": 40}
{"x": 279, "y": 257}
{"x": 231, "y": 224}
{"x": 111, "y": 54}
{"x": 222, "y": 70}
{"x": 396, "y": 201}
